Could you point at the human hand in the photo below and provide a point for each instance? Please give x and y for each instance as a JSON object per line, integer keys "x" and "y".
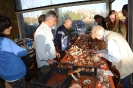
{"x": 58, "y": 55}
{"x": 99, "y": 54}
{"x": 50, "y": 61}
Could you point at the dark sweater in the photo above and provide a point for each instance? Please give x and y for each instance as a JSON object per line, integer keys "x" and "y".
{"x": 60, "y": 34}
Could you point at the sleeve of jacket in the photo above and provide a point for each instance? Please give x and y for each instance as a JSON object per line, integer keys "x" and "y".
{"x": 12, "y": 47}
{"x": 123, "y": 30}
{"x": 111, "y": 54}
{"x": 59, "y": 35}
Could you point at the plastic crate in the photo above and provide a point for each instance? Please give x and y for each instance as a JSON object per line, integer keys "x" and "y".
{"x": 58, "y": 73}
{"x": 86, "y": 73}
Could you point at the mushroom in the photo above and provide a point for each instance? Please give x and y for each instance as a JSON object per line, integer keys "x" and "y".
{"x": 70, "y": 52}
{"x": 100, "y": 80}
{"x": 90, "y": 63}
{"x": 80, "y": 63}
{"x": 82, "y": 69}
{"x": 95, "y": 58}
{"x": 75, "y": 61}
{"x": 77, "y": 71}
{"x": 101, "y": 64}
{"x": 106, "y": 79}
{"x": 75, "y": 56}
{"x": 68, "y": 60}
{"x": 88, "y": 58}
{"x": 76, "y": 85}
{"x": 71, "y": 73}
{"x": 87, "y": 81}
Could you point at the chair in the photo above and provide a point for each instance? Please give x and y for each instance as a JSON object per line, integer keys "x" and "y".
{"x": 116, "y": 77}
{"x": 33, "y": 65}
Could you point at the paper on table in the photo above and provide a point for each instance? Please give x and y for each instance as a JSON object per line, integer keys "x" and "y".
{"x": 108, "y": 72}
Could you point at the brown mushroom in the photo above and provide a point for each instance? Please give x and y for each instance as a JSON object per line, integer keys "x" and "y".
{"x": 95, "y": 58}
{"x": 76, "y": 85}
{"x": 87, "y": 81}
{"x": 77, "y": 71}
{"x": 71, "y": 73}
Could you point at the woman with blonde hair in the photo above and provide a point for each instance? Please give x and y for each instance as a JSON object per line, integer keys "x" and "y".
{"x": 115, "y": 24}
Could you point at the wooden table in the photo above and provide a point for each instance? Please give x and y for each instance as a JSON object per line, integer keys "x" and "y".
{"x": 107, "y": 68}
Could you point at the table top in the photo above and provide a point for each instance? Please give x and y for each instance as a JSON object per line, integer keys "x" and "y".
{"x": 65, "y": 59}
{"x": 107, "y": 68}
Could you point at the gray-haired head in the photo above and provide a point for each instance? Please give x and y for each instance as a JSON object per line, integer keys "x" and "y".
{"x": 50, "y": 13}
{"x": 50, "y": 18}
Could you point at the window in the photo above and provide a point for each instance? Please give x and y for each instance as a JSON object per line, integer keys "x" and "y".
{"x": 28, "y": 4}
{"x": 82, "y": 15}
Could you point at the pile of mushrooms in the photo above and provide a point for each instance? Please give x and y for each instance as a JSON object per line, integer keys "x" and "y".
{"x": 78, "y": 70}
{"x": 103, "y": 80}
{"x": 76, "y": 85}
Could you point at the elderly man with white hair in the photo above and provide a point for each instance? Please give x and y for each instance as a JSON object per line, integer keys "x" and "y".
{"x": 117, "y": 51}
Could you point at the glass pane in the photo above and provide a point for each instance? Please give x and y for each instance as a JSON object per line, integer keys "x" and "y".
{"x": 82, "y": 16}
{"x": 30, "y": 22}
{"x": 27, "y": 4}
{"x": 118, "y": 8}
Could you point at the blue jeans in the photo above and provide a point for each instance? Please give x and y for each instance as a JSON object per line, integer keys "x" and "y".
{"x": 125, "y": 82}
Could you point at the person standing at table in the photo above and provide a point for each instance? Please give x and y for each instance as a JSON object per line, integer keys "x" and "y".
{"x": 41, "y": 18}
{"x": 115, "y": 24}
{"x": 117, "y": 51}
{"x": 61, "y": 37}
{"x": 12, "y": 68}
{"x": 125, "y": 13}
{"x": 45, "y": 49}
{"x": 100, "y": 20}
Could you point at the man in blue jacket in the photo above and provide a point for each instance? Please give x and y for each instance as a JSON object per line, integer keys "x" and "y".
{"x": 61, "y": 39}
